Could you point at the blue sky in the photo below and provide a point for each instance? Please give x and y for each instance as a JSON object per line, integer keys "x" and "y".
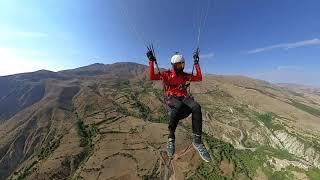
{"x": 278, "y": 41}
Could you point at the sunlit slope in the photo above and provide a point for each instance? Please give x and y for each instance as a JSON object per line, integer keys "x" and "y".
{"x": 97, "y": 124}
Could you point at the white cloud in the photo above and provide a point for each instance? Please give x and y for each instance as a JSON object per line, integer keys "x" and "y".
{"x": 207, "y": 56}
{"x": 14, "y": 60}
{"x": 288, "y": 67}
{"x": 289, "y": 74}
{"x": 21, "y": 34}
{"x": 287, "y": 46}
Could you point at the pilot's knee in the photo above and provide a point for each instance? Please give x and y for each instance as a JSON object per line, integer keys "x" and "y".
{"x": 196, "y": 107}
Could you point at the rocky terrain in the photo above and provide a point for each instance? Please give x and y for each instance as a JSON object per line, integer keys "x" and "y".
{"x": 108, "y": 122}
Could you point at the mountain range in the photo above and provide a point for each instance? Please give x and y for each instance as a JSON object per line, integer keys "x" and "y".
{"x": 107, "y": 121}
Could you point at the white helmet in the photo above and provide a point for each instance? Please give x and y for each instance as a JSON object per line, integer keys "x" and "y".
{"x": 177, "y": 58}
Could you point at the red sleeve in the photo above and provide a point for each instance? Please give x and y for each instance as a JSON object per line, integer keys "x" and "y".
{"x": 198, "y": 76}
{"x": 152, "y": 75}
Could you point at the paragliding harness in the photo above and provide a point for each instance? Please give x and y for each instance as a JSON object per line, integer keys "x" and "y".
{"x": 185, "y": 110}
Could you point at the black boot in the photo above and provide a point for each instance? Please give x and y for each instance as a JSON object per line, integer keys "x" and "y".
{"x": 199, "y": 146}
{"x": 197, "y": 139}
{"x": 170, "y": 147}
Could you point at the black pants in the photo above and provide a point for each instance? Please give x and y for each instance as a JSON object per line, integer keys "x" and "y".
{"x": 180, "y": 108}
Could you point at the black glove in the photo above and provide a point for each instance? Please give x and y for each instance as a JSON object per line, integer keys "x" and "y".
{"x": 151, "y": 56}
{"x": 196, "y": 57}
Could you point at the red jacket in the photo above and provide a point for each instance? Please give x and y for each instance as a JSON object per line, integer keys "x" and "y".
{"x": 174, "y": 83}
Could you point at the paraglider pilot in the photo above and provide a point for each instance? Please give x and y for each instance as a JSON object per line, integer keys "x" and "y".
{"x": 179, "y": 103}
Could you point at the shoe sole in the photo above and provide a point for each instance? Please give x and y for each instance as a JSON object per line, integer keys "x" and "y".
{"x": 199, "y": 153}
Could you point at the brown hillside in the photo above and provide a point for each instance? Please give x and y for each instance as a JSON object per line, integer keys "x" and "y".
{"x": 107, "y": 122}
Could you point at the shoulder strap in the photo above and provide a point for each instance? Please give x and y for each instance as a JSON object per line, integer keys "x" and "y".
{"x": 165, "y": 83}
